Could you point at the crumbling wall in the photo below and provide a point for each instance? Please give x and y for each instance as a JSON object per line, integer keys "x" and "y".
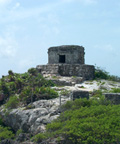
{"x": 85, "y": 71}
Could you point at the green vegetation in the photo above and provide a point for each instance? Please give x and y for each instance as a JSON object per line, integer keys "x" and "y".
{"x": 74, "y": 76}
{"x": 85, "y": 122}
{"x": 12, "y": 102}
{"x": 25, "y": 88}
{"x": 115, "y": 90}
{"x": 93, "y": 121}
{"x": 6, "y": 133}
{"x": 97, "y": 94}
{"x": 39, "y": 137}
{"x": 55, "y": 77}
{"x": 19, "y": 132}
{"x": 22, "y": 89}
{"x": 65, "y": 92}
{"x": 102, "y": 74}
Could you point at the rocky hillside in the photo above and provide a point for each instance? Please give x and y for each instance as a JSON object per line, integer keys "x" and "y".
{"x": 31, "y": 101}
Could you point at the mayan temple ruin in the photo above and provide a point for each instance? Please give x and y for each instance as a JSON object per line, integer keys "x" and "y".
{"x": 67, "y": 60}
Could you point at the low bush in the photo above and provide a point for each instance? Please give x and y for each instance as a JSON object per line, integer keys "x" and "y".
{"x": 6, "y": 133}
{"x": 95, "y": 124}
{"x": 97, "y": 94}
{"x": 32, "y": 71}
{"x": 103, "y": 74}
{"x": 1, "y": 121}
{"x": 78, "y": 103}
{"x": 95, "y": 100}
{"x": 115, "y": 90}
{"x": 25, "y": 86}
{"x": 39, "y": 137}
{"x": 29, "y": 94}
{"x": 12, "y": 102}
{"x": 65, "y": 92}
{"x": 19, "y": 132}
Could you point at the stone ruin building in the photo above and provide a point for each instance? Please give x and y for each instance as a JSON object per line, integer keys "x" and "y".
{"x": 67, "y": 60}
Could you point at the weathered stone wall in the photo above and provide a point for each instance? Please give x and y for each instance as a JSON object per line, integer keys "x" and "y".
{"x": 48, "y": 69}
{"x": 113, "y": 97}
{"x": 73, "y": 54}
{"x": 85, "y": 71}
{"x": 79, "y": 94}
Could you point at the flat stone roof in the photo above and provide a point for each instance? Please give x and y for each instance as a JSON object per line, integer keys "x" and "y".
{"x": 67, "y": 47}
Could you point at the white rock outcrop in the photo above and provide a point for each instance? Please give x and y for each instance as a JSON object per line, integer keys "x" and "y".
{"x": 33, "y": 120}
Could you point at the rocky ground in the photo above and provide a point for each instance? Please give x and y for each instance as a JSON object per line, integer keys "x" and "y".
{"x": 77, "y": 83}
{"x": 34, "y": 117}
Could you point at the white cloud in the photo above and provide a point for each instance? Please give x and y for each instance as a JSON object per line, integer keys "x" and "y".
{"x": 16, "y": 5}
{"x": 2, "y": 2}
{"x": 107, "y": 47}
{"x": 90, "y": 1}
{"x": 14, "y": 14}
{"x": 82, "y": 1}
{"x": 8, "y": 47}
{"x": 26, "y": 63}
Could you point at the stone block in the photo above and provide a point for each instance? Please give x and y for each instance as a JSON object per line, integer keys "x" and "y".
{"x": 113, "y": 97}
{"x": 79, "y": 94}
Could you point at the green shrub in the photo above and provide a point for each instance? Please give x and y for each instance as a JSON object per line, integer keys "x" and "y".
{"x": 6, "y": 90}
{"x": 12, "y": 102}
{"x": 32, "y": 71}
{"x": 19, "y": 83}
{"x": 19, "y": 132}
{"x": 1, "y": 121}
{"x": 50, "y": 93}
{"x": 30, "y": 94}
{"x": 78, "y": 103}
{"x": 88, "y": 125}
{"x": 5, "y": 133}
{"x": 26, "y": 85}
{"x": 10, "y": 72}
{"x": 12, "y": 87}
{"x": 97, "y": 93}
{"x": 39, "y": 137}
{"x": 67, "y": 106}
{"x": 115, "y": 90}
{"x": 64, "y": 92}
{"x": 101, "y": 73}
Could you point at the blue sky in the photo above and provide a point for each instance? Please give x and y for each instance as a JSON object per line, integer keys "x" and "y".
{"x": 29, "y": 27}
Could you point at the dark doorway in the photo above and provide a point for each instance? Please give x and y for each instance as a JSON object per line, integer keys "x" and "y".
{"x": 61, "y": 58}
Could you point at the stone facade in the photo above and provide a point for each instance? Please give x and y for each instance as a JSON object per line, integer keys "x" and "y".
{"x": 113, "y": 97}
{"x": 85, "y": 71}
{"x": 67, "y": 61}
{"x": 66, "y": 54}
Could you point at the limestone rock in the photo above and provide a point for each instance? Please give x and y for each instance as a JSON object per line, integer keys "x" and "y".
{"x": 33, "y": 120}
